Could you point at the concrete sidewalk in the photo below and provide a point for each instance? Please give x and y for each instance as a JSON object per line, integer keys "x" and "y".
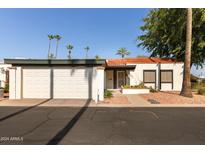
{"x": 135, "y": 101}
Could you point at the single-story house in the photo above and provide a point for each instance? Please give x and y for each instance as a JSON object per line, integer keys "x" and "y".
{"x": 158, "y": 73}
{"x": 82, "y": 79}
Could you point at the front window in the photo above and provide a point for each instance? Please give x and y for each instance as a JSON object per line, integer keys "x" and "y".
{"x": 149, "y": 76}
{"x": 166, "y": 76}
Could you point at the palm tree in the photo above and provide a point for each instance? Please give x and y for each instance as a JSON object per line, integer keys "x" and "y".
{"x": 50, "y": 37}
{"x": 51, "y": 56}
{"x": 70, "y": 48}
{"x": 86, "y": 50}
{"x": 186, "y": 86}
{"x": 122, "y": 52}
{"x": 97, "y": 57}
{"x": 57, "y": 37}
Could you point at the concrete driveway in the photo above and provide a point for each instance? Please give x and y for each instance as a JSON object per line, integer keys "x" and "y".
{"x": 38, "y": 124}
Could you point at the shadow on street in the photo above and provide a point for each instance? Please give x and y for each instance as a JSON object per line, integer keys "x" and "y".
{"x": 98, "y": 125}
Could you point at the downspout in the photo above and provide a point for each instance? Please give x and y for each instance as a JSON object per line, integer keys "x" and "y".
{"x": 15, "y": 82}
{"x": 159, "y": 76}
{"x": 125, "y": 77}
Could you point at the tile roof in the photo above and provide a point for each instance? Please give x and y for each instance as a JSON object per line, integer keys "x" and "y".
{"x": 146, "y": 60}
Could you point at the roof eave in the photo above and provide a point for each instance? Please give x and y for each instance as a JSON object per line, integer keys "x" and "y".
{"x": 54, "y": 61}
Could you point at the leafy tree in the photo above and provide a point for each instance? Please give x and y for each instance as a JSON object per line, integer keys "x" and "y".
{"x": 186, "y": 86}
{"x": 122, "y": 52}
{"x": 86, "y": 50}
{"x": 70, "y": 48}
{"x": 165, "y": 34}
{"x": 57, "y": 37}
{"x": 50, "y": 37}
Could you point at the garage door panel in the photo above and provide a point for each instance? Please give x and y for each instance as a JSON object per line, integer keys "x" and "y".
{"x": 67, "y": 83}
{"x": 36, "y": 83}
{"x": 71, "y": 83}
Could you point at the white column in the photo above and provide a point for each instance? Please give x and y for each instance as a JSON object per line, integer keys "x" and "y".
{"x": 15, "y": 83}
{"x": 100, "y": 82}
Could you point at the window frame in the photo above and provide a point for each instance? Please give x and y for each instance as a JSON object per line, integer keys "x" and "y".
{"x": 154, "y": 76}
{"x": 172, "y": 77}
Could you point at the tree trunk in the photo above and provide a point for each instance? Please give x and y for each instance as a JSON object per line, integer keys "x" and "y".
{"x": 186, "y": 86}
{"x": 69, "y": 54}
{"x": 49, "y": 48}
{"x": 56, "y": 49}
{"x": 86, "y": 54}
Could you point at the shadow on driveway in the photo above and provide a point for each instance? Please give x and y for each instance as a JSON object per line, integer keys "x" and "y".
{"x": 60, "y": 135}
{"x": 101, "y": 125}
{"x": 23, "y": 110}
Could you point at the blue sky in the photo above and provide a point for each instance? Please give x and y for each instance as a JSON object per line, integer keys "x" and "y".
{"x": 23, "y": 32}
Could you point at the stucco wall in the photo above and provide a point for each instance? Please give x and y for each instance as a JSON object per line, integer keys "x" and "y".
{"x": 15, "y": 80}
{"x": 100, "y": 83}
{"x": 15, "y": 83}
{"x": 177, "y": 75}
{"x": 136, "y": 76}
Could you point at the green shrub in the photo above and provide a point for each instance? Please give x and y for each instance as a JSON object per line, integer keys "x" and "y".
{"x": 198, "y": 85}
{"x": 201, "y": 91}
{"x": 152, "y": 90}
{"x": 126, "y": 86}
{"x": 108, "y": 94}
{"x": 139, "y": 86}
{"x": 6, "y": 89}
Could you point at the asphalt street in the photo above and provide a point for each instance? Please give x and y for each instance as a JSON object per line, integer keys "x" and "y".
{"x": 99, "y": 125}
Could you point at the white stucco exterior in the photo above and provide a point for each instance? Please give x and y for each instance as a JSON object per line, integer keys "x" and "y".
{"x": 135, "y": 91}
{"x": 85, "y": 81}
{"x": 177, "y": 75}
{"x": 136, "y": 76}
{"x": 15, "y": 83}
{"x": 57, "y": 82}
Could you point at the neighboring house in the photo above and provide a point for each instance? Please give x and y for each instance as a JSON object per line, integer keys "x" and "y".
{"x": 202, "y": 78}
{"x": 195, "y": 79}
{"x": 82, "y": 79}
{"x": 4, "y": 74}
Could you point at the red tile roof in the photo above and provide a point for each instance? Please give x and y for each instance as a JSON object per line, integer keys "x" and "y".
{"x": 142, "y": 60}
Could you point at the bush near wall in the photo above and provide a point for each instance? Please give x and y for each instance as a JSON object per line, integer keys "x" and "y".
{"x": 139, "y": 86}
{"x": 6, "y": 89}
{"x": 201, "y": 91}
{"x": 152, "y": 90}
{"x": 199, "y": 87}
{"x": 108, "y": 94}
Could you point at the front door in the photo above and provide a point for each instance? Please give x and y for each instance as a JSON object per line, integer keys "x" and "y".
{"x": 109, "y": 79}
{"x": 120, "y": 79}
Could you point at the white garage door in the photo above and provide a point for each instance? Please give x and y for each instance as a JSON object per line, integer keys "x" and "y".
{"x": 36, "y": 83}
{"x": 71, "y": 82}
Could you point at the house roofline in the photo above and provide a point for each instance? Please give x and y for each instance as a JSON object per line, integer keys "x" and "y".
{"x": 16, "y": 62}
